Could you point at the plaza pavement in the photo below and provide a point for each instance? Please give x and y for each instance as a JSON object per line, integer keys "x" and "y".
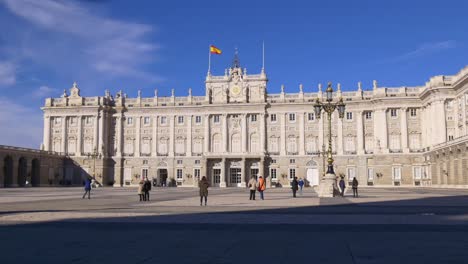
{"x": 384, "y": 225}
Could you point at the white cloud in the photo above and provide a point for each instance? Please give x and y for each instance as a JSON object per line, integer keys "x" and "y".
{"x": 67, "y": 34}
{"x": 20, "y": 126}
{"x": 426, "y": 49}
{"x": 45, "y": 91}
{"x": 7, "y": 73}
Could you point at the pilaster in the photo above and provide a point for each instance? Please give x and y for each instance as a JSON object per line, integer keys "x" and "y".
{"x": 262, "y": 133}
{"x": 46, "y": 133}
{"x": 171, "y": 135}
{"x": 225, "y": 133}
{"x": 189, "y": 135}
{"x": 360, "y": 133}
{"x": 222, "y": 182}
{"x": 137, "y": 135}
{"x": 283, "y": 134}
{"x": 206, "y": 139}
{"x": 64, "y": 135}
{"x": 154, "y": 142}
{"x": 404, "y": 130}
{"x": 340, "y": 137}
{"x": 301, "y": 134}
{"x": 244, "y": 133}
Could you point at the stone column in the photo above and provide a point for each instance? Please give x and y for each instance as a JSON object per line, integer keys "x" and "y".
{"x": 283, "y": 135}
{"x": 224, "y": 132}
{"x": 64, "y": 135}
{"x": 262, "y": 133}
{"x": 189, "y": 136}
{"x": 439, "y": 123}
{"x": 171, "y": 132}
{"x": 301, "y": 134}
{"x": 206, "y": 139}
{"x": 244, "y": 133}
{"x": 79, "y": 144}
{"x": 101, "y": 133}
{"x": 404, "y": 130}
{"x": 222, "y": 182}
{"x": 46, "y": 133}
{"x": 360, "y": 133}
{"x": 95, "y": 133}
{"x": 340, "y": 137}
{"x": 380, "y": 129}
{"x": 154, "y": 142}
{"x": 119, "y": 140}
{"x": 243, "y": 172}
{"x": 137, "y": 135}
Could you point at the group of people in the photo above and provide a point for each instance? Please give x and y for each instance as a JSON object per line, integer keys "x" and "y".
{"x": 254, "y": 185}
{"x": 354, "y": 185}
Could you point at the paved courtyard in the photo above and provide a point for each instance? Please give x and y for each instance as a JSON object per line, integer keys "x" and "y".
{"x": 384, "y": 225}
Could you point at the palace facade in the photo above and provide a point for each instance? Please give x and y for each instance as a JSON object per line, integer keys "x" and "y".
{"x": 389, "y": 136}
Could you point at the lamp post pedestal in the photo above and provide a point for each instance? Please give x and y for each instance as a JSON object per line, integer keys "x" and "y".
{"x": 327, "y": 186}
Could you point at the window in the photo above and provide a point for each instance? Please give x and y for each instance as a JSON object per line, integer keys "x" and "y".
{"x": 292, "y": 173}
{"x": 197, "y": 162}
{"x": 273, "y": 144}
{"x": 253, "y": 118}
{"x": 88, "y": 120}
{"x": 370, "y": 174}
{"x": 395, "y": 142}
{"x": 146, "y": 120}
{"x": 292, "y": 161}
{"x": 145, "y": 162}
{"x": 413, "y": 112}
{"x": 180, "y": 119}
{"x": 311, "y": 116}
{"x": 351, "y": 174}
{"x": 57, "y": 120}
{"x": 197, "y": 119}
{"x": 236, "y": 175}
{"x": 216, "y": 119}
{"x": 273, "y": 118}
{"x": 273, "y": 174}
{"x": 196, "y": 173}
{"x": 236, "y": 143}
{"x": 179, "y": 174}
{"x": 273, "y": 161}
{"x": 396, "y": 174}
{"x": 144, "y": 173}
{"x": 130, "y": 120}
{"x": 349, "y": 116}
{"x": 163, "y": 120}
{"x": 292, "y": 117}
{"x": 393, "y": 113}
{"x": 368, "y": 115}
{"x": 417, "y": 173}
{"x": 179, "y": 162}
{"x": 72, "y": 120}
{"x": 216, "y": 146}
{"x": 450, "y": 137}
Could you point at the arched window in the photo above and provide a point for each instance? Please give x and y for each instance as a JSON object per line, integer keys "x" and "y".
{"x": 88, "y": 145}
{"x": 254, "y": 143}
{"x": 146, "y": 146}
{"x": 236, "y": 143}
{"x": 292, "y": 144}
{"x": 128, "y": 147}
{"x": 216, "y": 143}
{"x": 311, "y": 144}
{"x": 180, "y": 145}
{"x": 198, "y": 145}
{"x": 395, "y": 142}
{"x": 162, "y": 147}
{"x": 349, "y": 144}
{"x": 369, "y": 143}
{"x": 56, "y": 146}
{"x": 71, "y": 145}
{"x": 273, "y": 144}
{"x": 414, "y": 141}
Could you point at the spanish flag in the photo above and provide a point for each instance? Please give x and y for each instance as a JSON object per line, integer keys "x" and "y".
{"x": 214, "y": 50}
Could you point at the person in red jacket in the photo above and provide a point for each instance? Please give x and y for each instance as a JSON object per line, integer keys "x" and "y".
{"x": 261, "y": 186}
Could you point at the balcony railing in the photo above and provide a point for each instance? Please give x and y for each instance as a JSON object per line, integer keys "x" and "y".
{"x": 163, "y": 154}
{"x": 180, "y": 154}
{"x": 291, "y": 153}
{"x": 395, "y": 150}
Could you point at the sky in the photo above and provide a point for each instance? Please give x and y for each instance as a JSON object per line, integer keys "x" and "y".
{"x": 124, "y": 45}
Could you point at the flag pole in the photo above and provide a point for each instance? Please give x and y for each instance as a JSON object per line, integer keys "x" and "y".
{"x": 209, "y": 60}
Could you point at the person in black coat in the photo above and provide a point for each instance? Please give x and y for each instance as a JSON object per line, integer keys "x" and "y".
{"x": 146, "y": 189}
{"x": 355, "y": 185}
{"x": 294, "y": 186}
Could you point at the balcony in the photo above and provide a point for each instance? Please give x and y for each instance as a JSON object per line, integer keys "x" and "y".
{"x": 180, "y": 154}
{"x": 163, "y": 154}
{"x": 350, "y": 152}
{"x": 273, "y": 153}
{"x": 292, "y": 153}
{"x": 395, "y": 150}
{"x": 313, "y": 153}
{"x": 368, "y": 151}
{"x": 416, "y": 150}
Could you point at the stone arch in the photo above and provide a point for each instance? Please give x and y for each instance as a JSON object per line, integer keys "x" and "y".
{"x": 8, "y": 171}
{"x": 22, "y": 171}
{"x": 311, "y": 163}
{"x": 36, "y": 172}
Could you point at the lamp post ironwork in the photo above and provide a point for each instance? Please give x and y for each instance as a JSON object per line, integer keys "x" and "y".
{"x": 327, "y": 186}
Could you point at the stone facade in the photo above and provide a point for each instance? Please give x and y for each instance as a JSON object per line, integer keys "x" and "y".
{"x": 387, "y": 137}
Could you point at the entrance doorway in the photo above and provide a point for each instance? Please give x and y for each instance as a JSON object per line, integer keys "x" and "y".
{"x": 162, "y": 177}
{"x": 235, "y": 176}
{"x": 313, "y": 176}
{"x": 216, "y": 177}
{"x": 253, "y": 173}
{"x": 8, "y": 171}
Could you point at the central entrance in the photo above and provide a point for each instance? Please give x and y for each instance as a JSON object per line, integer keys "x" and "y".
{"x": 235, "y": 176}
{"x": 162, "y": 177}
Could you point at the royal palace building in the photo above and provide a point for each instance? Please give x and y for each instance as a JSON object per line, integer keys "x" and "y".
{"x": 389, "y": 136}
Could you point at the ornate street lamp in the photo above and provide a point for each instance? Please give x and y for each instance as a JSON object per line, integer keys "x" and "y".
{"x": 327, "y": 186}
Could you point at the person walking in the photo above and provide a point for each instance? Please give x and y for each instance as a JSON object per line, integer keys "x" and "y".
{"x": 203, "y": 185}
{"x": 342, "y": 186}
{"x": 87, "y": 188}
{"x": 355, "y": 185}
{"x": 301, "y": 184}
{"x": 147, "y": 189}
{"x": 294, "y": 186}
{"x": 261, "y": 186}
{"x": 141, "y": 186}
{"x": 252, "y": 187}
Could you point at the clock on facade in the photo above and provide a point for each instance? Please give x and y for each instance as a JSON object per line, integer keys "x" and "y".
{"x": 235, "y": 90}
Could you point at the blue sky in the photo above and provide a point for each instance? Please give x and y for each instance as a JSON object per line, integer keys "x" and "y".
{"x": 46, "y": 45}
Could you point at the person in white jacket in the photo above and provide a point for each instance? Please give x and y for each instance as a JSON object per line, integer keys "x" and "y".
{"x": 252, "y": 187}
